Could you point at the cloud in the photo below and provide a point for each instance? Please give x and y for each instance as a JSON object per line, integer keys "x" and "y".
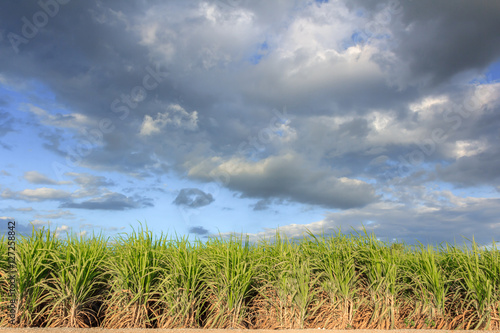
{"x": 468, "y": 171}
{"x": 66, "y": 229}
{"x": 458, "y": 28}
{"x": 199, "y": 230}
{"x": 261, "y": 205}
{"x": 6, "y": 126}
{"x": 24, "y": 209}
{"x": 177, "y": 118}
{"x": 74, "y": 120}
{"x": 41, "y": 223}
{"x": 20, "y": 228}
{"x": 38, "y": 194}
{"x": 193, "y": 198}
{"x": 264, "y": 204}
{"x": 392, "y": 221}
{"x": 6, "y": 123}
{"x": 90, "y": 185}
{"x": 110, "y": 201}
{"x": 288, "y": 177}
{"x": 89, "y": 180}
{"x": 34, "y": 177}
{"x": 56, "y": 214}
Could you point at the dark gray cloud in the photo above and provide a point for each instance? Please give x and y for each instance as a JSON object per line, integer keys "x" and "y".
{"x": 265, "y": 204}
{"x": 287, "y": 177}
{"x": 480, "y": 169}
{"x": 6, "y": 123}
{"x": 261, "y": 205}
{"x": 199, "y": 230}
{"x": 193, "y": 198}
{"x": 6, "y": 126}
{"x": 464, "y": 37}
{"x": 109, "y": 201}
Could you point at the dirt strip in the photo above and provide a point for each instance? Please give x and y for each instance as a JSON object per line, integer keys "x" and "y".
{"x": 154, "y": 330}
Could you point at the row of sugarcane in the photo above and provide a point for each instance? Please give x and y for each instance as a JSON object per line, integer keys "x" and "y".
{"x": 341, "y": 281}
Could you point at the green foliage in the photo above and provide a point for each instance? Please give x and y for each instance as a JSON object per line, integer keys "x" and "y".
{"x": 35, "y": 264}
{"x": 230, "y": 269}
{"x": 181, "y": 286}
{"x": 133, "y": 272}
{"x": 338, "y": 282}
{"x": 77, "y": 282}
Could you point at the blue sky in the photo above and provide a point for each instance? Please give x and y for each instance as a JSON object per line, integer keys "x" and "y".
{"x": 207, "y": 117}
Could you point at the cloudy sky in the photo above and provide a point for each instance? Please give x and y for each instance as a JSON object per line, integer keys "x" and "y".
{"x": 200, "y": 117}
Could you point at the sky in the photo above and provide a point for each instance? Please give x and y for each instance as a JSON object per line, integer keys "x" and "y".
{"x": 202, "y": 118}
